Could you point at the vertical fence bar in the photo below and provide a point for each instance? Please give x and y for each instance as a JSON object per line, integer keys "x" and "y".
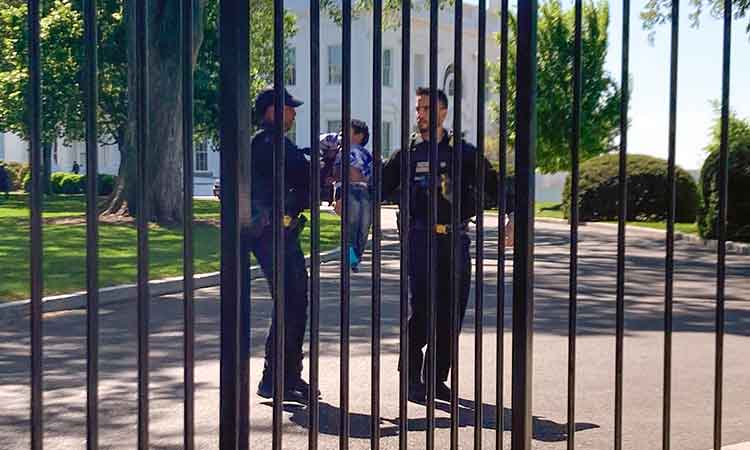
{"x": 279, "y": 194}
{"x": 142, "y": 149}
{"x": 36, "y": 268}
{"x": 575, "y": 143}
{"x": 671, "y": 192}
{"x": 479, "y": 170}
{"x": 432, "y": 222}
{"x": 502, "y": 207}
{"x": 457, "y": 154}
{"x": 234, "y": 115}
{"x": 313, "y": 431}
{"x": 92, "y": 230}
{"x": 404, "y": 225}
{"x": 523, "y": 273}
{"x": 346, "y": 118}
{"x": 722, "y": 225}
{"x": 187, "y": 220}
{"x": 377, "y": 100}
{"x": 622, "y": 218}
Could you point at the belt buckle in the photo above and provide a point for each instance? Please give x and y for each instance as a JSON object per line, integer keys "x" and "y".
{"x": 441, "y": 228}
{"x": 287, "y": 221}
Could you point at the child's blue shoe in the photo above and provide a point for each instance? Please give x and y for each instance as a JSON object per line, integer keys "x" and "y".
{"x": 353, "y": 260}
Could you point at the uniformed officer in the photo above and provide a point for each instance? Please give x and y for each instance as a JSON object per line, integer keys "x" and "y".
{"x": 420, "y": 234}
{"x": 261, "y": 239}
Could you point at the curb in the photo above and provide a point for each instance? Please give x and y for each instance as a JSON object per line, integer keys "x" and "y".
{"x": 113, "y": 294}
{"x": 739, "y": 248}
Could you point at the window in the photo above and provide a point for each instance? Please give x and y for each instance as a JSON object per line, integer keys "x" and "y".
{"x": 334, "y": 64}
{"x": 419, "y": 75}
{"x": 387, "y": 67}
{"x": 201, "y": 157}
{"x": 386, "y": 139}
{"x": 290, "y": 66}
{"x": 334, "y": 126}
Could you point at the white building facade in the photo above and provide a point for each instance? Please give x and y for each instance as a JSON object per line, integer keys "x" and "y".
{"x": 298, "y": 79}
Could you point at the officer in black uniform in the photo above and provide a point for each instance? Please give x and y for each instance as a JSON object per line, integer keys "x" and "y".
{"x": 420, "y": 234}
{"x": 261, "y": 239}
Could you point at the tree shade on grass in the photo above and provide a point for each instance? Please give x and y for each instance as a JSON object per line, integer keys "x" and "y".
{"x": 64, "y": 242}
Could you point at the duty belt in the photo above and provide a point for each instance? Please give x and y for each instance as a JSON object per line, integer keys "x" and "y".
{"x": 444, "y": 228}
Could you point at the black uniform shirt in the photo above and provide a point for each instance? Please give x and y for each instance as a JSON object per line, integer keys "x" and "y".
{"x": 297, "y": 174}
{"x": 420, "y": 180}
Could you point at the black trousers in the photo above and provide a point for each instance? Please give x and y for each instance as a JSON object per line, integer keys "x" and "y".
{"x": 418, "y": 283}
{"x": 295, "y": 300}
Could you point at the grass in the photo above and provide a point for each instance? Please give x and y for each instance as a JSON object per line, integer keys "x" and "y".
{"x": 554, "y": 210}
{"x": 64, "y": 261}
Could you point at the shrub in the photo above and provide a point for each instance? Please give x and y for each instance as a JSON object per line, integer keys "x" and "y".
{"x": 71, "y": 184}
{"x": 647, "y": 190}
{"x": 105, "y": 184}
{"x": 738, "y": 200}
{"x": 56, "y": 180}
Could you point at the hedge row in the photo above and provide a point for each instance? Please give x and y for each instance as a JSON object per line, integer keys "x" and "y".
{"x": 70, "y": 183}
{"x": 647, "y": 183}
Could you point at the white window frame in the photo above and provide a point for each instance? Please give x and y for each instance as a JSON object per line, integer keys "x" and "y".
{"x": 201, "y": 149}
{"x": 290, "y": 66}
{"x": 335, "y": 68}
{"x": 388, "y": 67}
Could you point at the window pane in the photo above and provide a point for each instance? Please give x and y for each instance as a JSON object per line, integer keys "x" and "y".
{"x": 290, "y": 66}
{"x": 334, "y": 64}
{"x": 201, "y": 157}
{"x": 387, "y": 67}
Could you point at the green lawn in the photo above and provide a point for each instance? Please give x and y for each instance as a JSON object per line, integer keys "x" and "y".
{"x": 554, "y": 210}
{"x": 65, "y": 247}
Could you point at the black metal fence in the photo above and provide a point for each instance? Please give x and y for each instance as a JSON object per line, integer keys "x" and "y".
{"x": 235, "y": 220}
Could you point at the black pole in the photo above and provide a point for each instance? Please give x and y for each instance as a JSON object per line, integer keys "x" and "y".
{"x": 377, "y": 124}
{"x": 574, "y": 176}
{"x": 722, "y": 226}
{"x": 405, "y": 224}
{"x": 523, "y": 273}
{"x": 36, "y": 268}
{"x": 314, "y": 223}
{"x": 92, "y": 230}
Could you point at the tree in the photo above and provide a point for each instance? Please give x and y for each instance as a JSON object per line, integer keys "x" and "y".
{"x": 62, "y": 62}
{"x": 601, "y": 94}
{"x": 657, "y": 12}
{"x": 62, "y": 58}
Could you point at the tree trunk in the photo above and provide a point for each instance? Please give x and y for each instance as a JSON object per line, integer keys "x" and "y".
{"x": 164, "y": 171}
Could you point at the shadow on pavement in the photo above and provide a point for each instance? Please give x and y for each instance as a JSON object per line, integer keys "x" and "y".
{"x": 360, "y": 424}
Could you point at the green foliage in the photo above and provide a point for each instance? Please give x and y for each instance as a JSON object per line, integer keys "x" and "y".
{"x": 63, "y": 59}
{"x": 738, "y": 201}
{"x": 71, "y": 183}
{"x": 261, "y": 62}
{"x": 658, "y": 12}
{"x": 601, "y": 94}
{"x": 647, "y": 190}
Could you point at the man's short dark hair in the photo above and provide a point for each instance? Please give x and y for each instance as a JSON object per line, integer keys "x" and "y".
{"x": 360, "y": 127}
{"x": 442, "y": 98}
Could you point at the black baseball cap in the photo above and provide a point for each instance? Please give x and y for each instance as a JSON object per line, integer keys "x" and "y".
{"x": 266, "y": 98}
